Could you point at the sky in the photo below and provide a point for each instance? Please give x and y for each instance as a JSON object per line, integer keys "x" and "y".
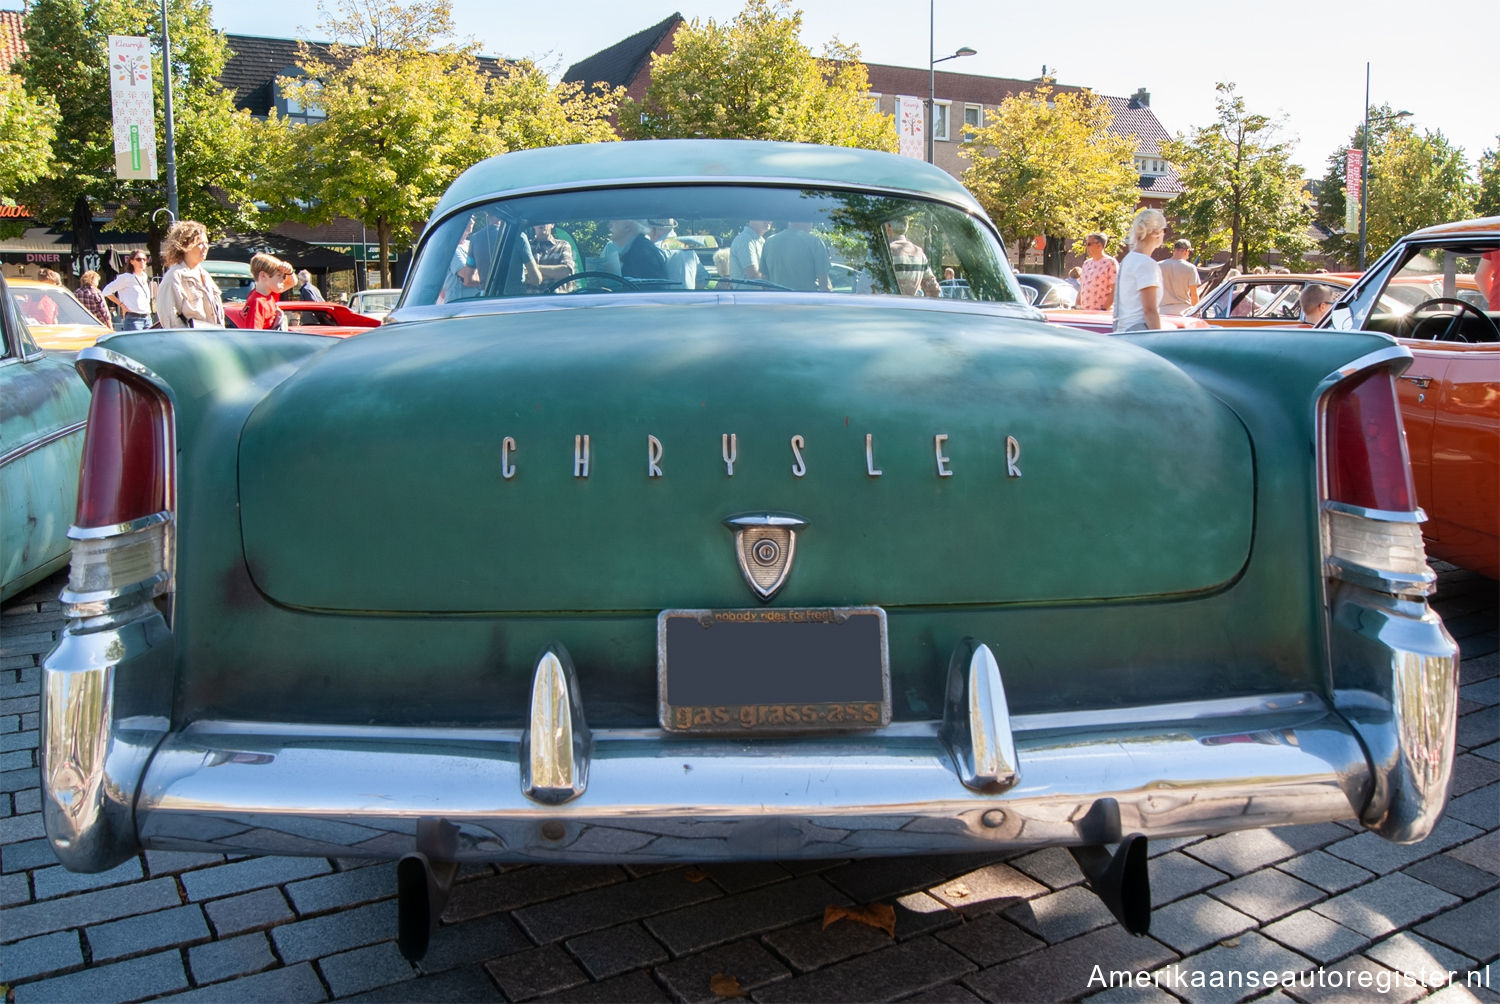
{"x": 1304, "y": 60}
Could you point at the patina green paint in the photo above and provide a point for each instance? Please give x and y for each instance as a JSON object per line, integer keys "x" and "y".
{"x": 411, "y": 423}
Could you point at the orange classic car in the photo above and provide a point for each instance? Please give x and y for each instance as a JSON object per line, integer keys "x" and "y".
{"x": 1450, "y": 396}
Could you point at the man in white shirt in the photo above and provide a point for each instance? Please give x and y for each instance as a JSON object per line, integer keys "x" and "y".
{"x": 744, "y": 253}
{"x": 130, "y": 292}
{"x": 1179, "y": 280}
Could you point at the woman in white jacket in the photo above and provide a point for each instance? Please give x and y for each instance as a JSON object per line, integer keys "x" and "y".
{"x": 187, "y": 296}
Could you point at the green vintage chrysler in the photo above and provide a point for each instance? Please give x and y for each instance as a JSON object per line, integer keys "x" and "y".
{"x": 674, "y": 516}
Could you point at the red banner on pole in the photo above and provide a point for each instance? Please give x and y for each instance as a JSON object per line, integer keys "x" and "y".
{"x": 1353, "y": 173}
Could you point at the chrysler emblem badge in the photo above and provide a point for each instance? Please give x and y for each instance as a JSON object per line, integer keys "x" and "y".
{"x": 765, "y": 544}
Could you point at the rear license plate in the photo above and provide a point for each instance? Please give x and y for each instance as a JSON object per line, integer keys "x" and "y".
{"x": 819, "y": 669}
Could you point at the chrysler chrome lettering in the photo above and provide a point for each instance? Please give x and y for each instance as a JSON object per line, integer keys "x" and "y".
{"x": 730, "y": 450}
{"x": 764, "y": 544}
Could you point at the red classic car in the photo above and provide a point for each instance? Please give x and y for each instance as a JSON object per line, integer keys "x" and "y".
{"x": 310, "y": 316}
{"x": 1450, "y": 397}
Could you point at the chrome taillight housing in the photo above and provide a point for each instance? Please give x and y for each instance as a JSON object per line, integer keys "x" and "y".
{"x": 1371, "y": 524}
{"x": 123, "y": 531}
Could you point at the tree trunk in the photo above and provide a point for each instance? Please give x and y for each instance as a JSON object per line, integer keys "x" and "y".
{"x": 1055, "y": 256}
{"x": 383, "y": 234}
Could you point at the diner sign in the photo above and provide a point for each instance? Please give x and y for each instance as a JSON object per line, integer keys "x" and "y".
{"x": 134, "y": 106}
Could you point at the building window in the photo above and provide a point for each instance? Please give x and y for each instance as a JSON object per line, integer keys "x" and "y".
{"x": 973, "y": 117}
{"x": 875, "y": 101}
{"x": 297, "y": 111}
{"x": 940, "y": 119}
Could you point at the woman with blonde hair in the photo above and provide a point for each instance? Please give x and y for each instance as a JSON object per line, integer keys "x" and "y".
{"x": 1138, "y": 287}
{"x": 188, "y": 297}
{"x": 88, "y": 294}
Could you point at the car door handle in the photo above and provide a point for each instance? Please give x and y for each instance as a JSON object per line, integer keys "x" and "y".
{"x": 1421, "y": 381}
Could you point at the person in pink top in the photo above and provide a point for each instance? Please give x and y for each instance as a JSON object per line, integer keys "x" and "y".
{"x": 1096, "y": 283}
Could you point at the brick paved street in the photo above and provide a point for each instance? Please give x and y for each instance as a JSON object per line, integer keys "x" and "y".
{"x": 200, "y": 927}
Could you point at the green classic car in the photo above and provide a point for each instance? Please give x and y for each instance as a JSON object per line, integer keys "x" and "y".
{"x": 43, "y": 407}
{"x": 594, "y": 552}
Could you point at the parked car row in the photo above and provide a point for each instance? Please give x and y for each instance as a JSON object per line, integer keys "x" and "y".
{"x": 635, "y": 571}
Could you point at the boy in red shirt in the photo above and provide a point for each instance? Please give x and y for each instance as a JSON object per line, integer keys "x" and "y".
{"x": 272, "y": 278}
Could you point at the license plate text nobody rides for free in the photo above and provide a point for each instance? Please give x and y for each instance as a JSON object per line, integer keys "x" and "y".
{"x": 817, "y": 669}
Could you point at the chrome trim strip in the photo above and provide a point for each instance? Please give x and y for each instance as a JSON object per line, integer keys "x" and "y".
{"x": 37, "y": 444}
{"x": 554, "y": 749}
{"x": 655, "y": 798}
{"x": 1383, "y": 515}
{"x": 90, "y": 358}
{"x": 99, "y": 532}
{"x": 976, "y": 720}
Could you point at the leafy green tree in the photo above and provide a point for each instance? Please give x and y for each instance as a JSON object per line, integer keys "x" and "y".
{"x": 68, "y": 45}
{"x": 1046, "y": 163}
{"x": 754, "y": 79}
{"x": 1242, "y": 190}
{"x": 404, "y": 115}
{"x": 1487, "y": 198}
{"x": 27, "y": 127}
{"x": 1414, "y": 180}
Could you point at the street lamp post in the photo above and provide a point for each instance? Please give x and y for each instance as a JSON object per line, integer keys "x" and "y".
{"x": 932, "y": 62}
{"x": 166, "y": 74}
{"x": 1364, "y": 165}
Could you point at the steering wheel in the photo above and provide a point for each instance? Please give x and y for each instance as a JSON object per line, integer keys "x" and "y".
{"x": 1453, "y": 332}
{"x": 625, "y": 284}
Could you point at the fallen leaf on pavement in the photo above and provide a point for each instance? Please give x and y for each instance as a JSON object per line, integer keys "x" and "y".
{"x": 958, "y": 891}
{"x": 725, "y": 986}
{"x": 881, "y": 916}
{"x": 695, "y": 874}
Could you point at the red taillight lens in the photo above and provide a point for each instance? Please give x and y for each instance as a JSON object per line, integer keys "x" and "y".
{"x": 1365, "y": 446}
{"x": 125, "y": 453}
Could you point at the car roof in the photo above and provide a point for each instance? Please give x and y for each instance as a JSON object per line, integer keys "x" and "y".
{"x": 604, "y": 165}
{"x": 1482, "y": 227}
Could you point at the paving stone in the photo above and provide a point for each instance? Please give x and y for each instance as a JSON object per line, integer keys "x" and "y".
{"x": 1062, "y": 914}
{"x": 705, "y": 924}
{"x": 636, "y": 987}
{"x": 812, "y": 946}
{"x": 1239, "y": 969}
{"x": 89, "y": 908}
{"x": 688, "y": 979}
{"x": 1195, "y": 923}
{"x": 34, "y": 957}
{"x": 146, "y": 932}
{"x": 292, "y": 985}
{"x": 873, "y": 879}
{"x": 58, "y": 881}
{"x": 365, "y": 969}
{"x": 1384, "y": 905}
{"x": 471, "y": 983}
{"x": 26, "y": 855}
{"x": 1480, "y": 807}
{"x": 1325, "y": 871}
{"x": 261, "y": 908}
{"x": 28, "y": 801}
{"x": 10, "y": 723}
{"x": 1470, "y": 929}
{"x": 1062, "y": 971}
{"x": 132, "y": 979}
{"x": 1490, "y": 752}
{"x": 341, "y": 889}
{"x": 1449, "y": 874}
{"x": 950, "y": 993}
{"x": 741, "y": 875}
{"x": 521, "y": 887}
{"x": 1453, "y": 993}
{"x": 1413, "y": 955}
{"x": 1482, "y": 852}
{"x": 889, "y": 974}
{"x": 14, "y": 889}
{"x": 456, "y": 945}
{"x": 989, "y": 940}
{"x": 1315, "y": 936}
{"x": 1267, "y": 894}
{"x": 251, "y": 873}
{"x": 1479, "y": 728}
{"x": 1381, "y": 856}
{"x": 17, "y": 828}
{"x": 616, "y": 950}
{"x": 12, "y": 741}
{"x": 171, "y": 862}
{"x": 611, "y": 905}
{"x": 1132, "y": 994}
{"x": 544, "y": 970}
{"x": 19, "y": 780}
{"x": 1357, "y": 981}
{"x": 1175, "y": 875}
{"x": 1052, "y": 866}
{"x": 221, "y": 960}
{"x": 1244, "y": 851}
{"x": 1471, "y": 771}
{"x": 335, "y": 932}
{"x": 986, "y": 889}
